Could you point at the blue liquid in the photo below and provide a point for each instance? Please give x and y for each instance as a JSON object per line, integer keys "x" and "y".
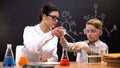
{"x": 9, "y": 62}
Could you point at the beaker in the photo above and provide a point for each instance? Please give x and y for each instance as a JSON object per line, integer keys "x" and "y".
{"x": 64, "y": 59}
{"x": 23, "y": 60}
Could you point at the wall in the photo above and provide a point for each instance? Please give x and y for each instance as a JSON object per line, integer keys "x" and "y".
{"x": 16, "y": 14}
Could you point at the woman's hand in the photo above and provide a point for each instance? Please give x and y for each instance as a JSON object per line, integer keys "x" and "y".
{"x": 43, "y": 58}
{"x": 58, "y": 31}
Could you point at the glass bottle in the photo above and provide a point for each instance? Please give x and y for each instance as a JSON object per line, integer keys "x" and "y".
{"x": 102, "y": 53}
{"x": 9, "y": 57}
{"x": 23, "y": 60}
{"x": 64, "y": 59}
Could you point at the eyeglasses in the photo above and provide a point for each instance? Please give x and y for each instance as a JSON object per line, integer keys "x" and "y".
{"x": 91, "y": 31}
{"x": 54, "y": 17}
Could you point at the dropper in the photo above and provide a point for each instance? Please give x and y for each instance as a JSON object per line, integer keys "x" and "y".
{"x": 73, "y": 40}
{"x": 65, "y": 33}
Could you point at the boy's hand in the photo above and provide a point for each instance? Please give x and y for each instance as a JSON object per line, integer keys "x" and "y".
{"x": 80, "y": 45}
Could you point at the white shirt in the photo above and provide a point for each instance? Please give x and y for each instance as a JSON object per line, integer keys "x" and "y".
{"x": 38, "y": 43}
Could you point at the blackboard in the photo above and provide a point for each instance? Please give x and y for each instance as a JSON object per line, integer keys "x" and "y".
{"x": 16, "y": 14}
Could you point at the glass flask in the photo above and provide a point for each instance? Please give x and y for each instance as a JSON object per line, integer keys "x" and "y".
{"x": 23, "y": 60}
{"x": 9, "y": 57}
{"x": 64, "y": 59}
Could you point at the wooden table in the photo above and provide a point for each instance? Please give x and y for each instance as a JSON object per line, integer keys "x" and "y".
{"x": 76, "y": 65}
{"x": 86, "y": 65}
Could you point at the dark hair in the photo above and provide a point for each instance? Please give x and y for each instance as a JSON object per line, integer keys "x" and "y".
{"x": 47, "y": 9}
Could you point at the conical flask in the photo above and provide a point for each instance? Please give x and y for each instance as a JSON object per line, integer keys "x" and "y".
{"x": 9, "y": 57}
{"x": 23, "y": 60}
{"x": 64, "y": 59}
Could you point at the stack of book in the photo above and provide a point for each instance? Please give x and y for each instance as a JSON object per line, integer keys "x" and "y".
{"x": 112, "y": 59}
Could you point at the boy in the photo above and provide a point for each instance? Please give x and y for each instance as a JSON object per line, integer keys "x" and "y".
{"x": 94, "y": 45}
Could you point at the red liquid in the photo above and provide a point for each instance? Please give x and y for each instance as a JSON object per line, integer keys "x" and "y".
{"x": 64, "y": 62}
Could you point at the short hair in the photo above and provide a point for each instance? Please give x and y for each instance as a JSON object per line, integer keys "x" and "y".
{"x": 95, "y": 22}
{"x": 47, "y": 9}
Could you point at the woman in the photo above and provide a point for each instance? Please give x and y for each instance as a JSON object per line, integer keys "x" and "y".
{"x": 41, "y": 40}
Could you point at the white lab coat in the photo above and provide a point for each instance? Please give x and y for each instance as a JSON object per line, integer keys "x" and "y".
{"x": 38, "y": 43}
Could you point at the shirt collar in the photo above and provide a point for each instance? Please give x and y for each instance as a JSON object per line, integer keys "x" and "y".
{"x": 37, "y": 28}
{"x": 94, "y": 44}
